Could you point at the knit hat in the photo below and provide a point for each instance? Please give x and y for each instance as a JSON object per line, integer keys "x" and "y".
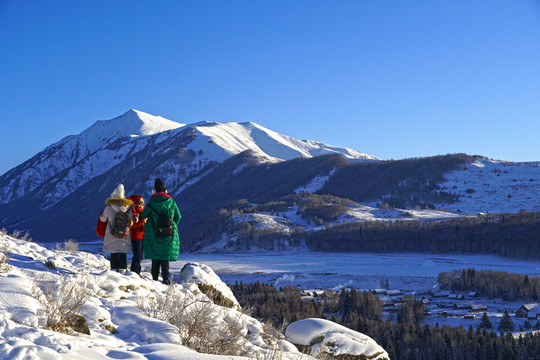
{"x": 159, "y": 186}
{"x": 119, "y": 192}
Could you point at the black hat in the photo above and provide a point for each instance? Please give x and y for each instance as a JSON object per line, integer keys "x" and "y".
{"x": 159, "y": 186}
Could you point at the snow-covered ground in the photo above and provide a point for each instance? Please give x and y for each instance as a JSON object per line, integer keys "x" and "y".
{"x": 310, "y": 270}
{"x": 119, "y": 325}
{"x": 289, "y": 220}
{"x": 494, "y": 186}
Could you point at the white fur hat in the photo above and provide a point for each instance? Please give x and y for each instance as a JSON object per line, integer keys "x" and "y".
{"x": 119, "y": 192}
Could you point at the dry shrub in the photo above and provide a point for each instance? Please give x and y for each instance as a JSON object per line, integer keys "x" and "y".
{"x": 69, "y": 245}
{"x": 4, "y": 259}
{"x": 62, "y": 300}
{"x": 196, "y": 321}
{"x": 200, "y": 331}
{"x": 168, "y": 306}
{"x": 18, "y": 235}
{"x": 275, "y": 353}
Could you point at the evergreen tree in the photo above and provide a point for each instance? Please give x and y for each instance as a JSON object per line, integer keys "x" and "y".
{"x": 485, "y": 322}
{"x": 506, "y": 323}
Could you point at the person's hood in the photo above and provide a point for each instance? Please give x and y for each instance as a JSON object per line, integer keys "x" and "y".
{"x": 135, "y": 198}
{"x": 119, "y": 201}
{"x": 161, "y": 202}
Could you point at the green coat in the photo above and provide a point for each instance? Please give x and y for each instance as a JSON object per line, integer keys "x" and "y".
{"x": 161, "y": 248}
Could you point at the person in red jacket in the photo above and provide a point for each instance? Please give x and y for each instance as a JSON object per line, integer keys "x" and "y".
{"x": 137, "y": 233}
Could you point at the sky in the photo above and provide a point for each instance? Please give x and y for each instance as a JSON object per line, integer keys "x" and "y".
{"x": 394, "y": 79}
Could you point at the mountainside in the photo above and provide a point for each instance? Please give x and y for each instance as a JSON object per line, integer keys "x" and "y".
{"x": 389, "y": 206}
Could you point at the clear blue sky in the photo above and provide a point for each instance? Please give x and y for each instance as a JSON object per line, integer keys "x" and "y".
{"x": 394, "y": 79}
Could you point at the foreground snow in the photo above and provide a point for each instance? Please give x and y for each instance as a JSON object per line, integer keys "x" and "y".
{"x": 114, "y": 304}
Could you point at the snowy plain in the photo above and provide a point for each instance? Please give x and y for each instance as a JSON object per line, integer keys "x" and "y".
{"x": 309, "y": 270}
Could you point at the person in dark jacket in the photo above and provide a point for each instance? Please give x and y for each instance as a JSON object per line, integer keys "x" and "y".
{"x": 137, "y": 232}
{"x": 161, "y": 250}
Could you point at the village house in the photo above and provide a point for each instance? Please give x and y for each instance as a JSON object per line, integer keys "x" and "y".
{"x": 439, "y": 293}
{"x": 456, "y": 297}
{"x": 530, "y": 311}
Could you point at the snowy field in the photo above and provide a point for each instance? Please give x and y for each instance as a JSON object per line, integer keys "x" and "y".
{"x": 359, "y": 270}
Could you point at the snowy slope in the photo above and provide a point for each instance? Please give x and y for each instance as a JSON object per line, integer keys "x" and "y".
{"x": 116, "y": 301}
{"x": 490, "y": 186}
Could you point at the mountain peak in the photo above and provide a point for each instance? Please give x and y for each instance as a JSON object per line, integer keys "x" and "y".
{"x": 136, "y": 123}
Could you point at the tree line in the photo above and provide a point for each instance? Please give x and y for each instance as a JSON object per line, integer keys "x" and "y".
{"x": 399, "y": 183}
{"x": 492, "y": 284}
{"x": 509, "y": 235}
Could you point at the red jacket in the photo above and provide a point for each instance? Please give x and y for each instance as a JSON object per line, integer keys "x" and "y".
{"x": 137, "y": 230}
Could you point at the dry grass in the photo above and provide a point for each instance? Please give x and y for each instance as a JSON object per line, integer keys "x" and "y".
{"x": 69, "y": 245}
{"x": 4, "y": 259}
{"x": 16, "y": 234}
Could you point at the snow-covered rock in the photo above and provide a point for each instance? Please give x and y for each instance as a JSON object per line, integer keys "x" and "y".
{"x": 203, "y": 274}
{"x": 326, "y": 336}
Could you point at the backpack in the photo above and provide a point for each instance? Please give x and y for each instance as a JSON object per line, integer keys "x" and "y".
{"x": 120, "y": 225}
{"x": 164, "y": 224}
{"x": 101, "y": 226}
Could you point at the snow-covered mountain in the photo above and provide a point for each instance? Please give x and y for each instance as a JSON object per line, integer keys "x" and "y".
{"x": 75, "y": 160}
{"x": 133, "y": 149}
{"x": 130, "y": 317}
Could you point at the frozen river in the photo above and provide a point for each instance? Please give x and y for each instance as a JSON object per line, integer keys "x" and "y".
{"x": 359, "y": 270}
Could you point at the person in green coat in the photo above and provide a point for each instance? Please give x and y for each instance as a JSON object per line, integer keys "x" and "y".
{"x": 161, "y": 249}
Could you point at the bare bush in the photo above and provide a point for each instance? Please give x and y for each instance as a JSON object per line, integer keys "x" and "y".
{"x": 4, "y": 259}
{"x": 195, "y": 318}
{"x": 62, "y": 299}
{"x": 167, "y": 307}
{"x": 69, "y": 245}
{"x": 16, "y": 234}
{"x": 200, "y": 331}
{"x": 275, "y": 353}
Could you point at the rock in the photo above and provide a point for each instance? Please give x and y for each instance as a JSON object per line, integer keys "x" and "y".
{"x": 78, "y": 323}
